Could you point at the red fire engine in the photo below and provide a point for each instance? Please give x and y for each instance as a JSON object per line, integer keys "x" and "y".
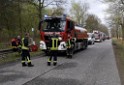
{"x": 62, "y": 27}
{"x": 99, "y": 36}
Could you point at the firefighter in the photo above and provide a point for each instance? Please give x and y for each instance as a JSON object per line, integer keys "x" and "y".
{"x": 25, "y": 51}
{"x": 14, "y": 43}
{"x": 53, "y": 49}
{"x": 69, "y": 46}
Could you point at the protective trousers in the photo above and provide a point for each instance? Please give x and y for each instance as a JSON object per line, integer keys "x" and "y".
{"x": 25, "y": 57}
{"x": 69, "y": 51}
{"x": 53, "y": 56}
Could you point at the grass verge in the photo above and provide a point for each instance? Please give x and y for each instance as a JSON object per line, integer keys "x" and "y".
{"x": 118, "y": 46}
{"x": 12, "y": 57}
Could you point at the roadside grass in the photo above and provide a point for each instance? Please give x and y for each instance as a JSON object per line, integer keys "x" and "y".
{"x": 118, "y": 46}
{"x": 13, "y": 57}
{"x": 4, "y": 45}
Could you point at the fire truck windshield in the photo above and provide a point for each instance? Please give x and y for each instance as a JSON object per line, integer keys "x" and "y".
{"x": 53, "y": 25}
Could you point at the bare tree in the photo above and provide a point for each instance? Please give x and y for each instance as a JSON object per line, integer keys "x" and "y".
{"x": 92, "y": 22}
{"x": 79, "y": 11}
{"x": 41, "y": 4}
{"x": 116, "y": 10}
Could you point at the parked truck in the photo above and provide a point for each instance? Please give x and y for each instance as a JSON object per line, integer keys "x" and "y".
{"x": 98, "y": 35}
{"x": 62, "y": 27}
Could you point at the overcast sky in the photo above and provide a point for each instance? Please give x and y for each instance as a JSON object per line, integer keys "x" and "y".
{"x": 96, "y": 7}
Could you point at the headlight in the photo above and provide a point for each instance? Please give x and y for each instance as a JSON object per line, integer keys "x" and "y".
{"x": 60, "y": 38}
{"x": 42, "y": 45}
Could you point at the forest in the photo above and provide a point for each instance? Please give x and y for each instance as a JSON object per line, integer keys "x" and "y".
{"x": 20, "y": 16}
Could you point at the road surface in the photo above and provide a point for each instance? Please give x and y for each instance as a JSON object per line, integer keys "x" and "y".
{"x": 94, "y": 66}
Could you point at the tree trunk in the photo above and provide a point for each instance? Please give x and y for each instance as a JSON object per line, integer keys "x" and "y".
{"x": 41, "y": 5}
{"x": 117, "y": 34}
{"x": 122, "y": 31}
{"x": 20, "y": 19}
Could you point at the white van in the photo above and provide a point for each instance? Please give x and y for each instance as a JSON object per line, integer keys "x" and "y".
{"x": 91, "y": 38}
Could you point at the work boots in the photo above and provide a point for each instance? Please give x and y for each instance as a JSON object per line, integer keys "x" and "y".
{"x": 30, "y": 65}
{"x": 48, "y": 63}
{"x": 54, "y": 63}
{"x": 23, "y": 64}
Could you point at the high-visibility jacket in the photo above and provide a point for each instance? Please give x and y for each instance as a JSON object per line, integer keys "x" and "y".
{"x": 68, "y": 43}
{"x": 54, "y": 42}
{"x": 25, "y": 44}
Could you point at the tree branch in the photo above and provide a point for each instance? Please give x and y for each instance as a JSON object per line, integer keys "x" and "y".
{"x": 48, "y": 4}
{"x": 122, "y": 2}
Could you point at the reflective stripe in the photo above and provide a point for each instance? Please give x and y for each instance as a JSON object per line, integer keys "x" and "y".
{"x": 28, "y": 60}
{"x": 54, "y": 44}
{"x": 55, "y": 61}
{"x": 23, "y": 61}
{"x": 49, "y": 60}
{"x": 23, "y": 46}
{"x": 14, "y": 46}
{"x": 19, "y": 46}
{"x": 69, "y": 43}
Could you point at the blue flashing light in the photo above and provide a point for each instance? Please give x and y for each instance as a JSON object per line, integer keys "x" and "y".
{"x": 64, "y": 17}
{"x": 45, "y": 16}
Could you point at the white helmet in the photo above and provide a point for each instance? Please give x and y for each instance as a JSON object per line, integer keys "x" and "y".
{"x": 18, "y": 37}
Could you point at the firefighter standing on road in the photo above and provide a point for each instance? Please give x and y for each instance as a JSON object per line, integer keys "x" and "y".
{"x": 69, "y": 46}
{"x": 53, "y": 48}
{"x": 25, "y": 51}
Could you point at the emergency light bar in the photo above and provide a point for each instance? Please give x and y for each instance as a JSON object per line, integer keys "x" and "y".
{"x": 63, "y": 17}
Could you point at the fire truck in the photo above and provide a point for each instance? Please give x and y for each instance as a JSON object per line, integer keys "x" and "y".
{"x": 99, "y": 36}
{"x": 62, "y": 27}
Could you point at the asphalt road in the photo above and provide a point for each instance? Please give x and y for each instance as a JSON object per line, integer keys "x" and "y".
{"x": 94, "y": 66}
